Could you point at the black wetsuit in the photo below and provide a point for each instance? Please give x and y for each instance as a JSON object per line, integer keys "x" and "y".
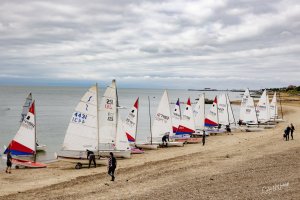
{"x": 292, "y": 131}
{"x": 91, "y": 157}
{"x": 8, "y": 162}
{"x": 112, "y": 165}
{"x": 203, "y": 138}
{"x": 287, "y": 134}
{"x": 165, "y": 139}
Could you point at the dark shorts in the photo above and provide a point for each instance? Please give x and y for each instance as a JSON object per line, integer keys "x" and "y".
{"x": 8, "y": 164}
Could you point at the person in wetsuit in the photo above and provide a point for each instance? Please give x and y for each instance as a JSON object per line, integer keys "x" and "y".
{"x": 292, "y": 131}
{"x": 91, "y": 157}
{"x": 165, "y": 139}
{"x": 112, "y": 165}
{"x": 8, "y": 162}
{"x": 203, "y": 138}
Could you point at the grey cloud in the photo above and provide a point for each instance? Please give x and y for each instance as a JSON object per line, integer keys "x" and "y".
{"x": 178, "y": 43}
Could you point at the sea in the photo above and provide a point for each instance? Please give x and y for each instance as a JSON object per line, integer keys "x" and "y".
{"x": 55, "y": 106}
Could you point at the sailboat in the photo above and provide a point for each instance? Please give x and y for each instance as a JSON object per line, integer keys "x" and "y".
{"x": 130, "y": 127}
{"x": 225, "y": 112}
{"x": 28, "y": 101}
{"x": 245, "y": 98}
{"x": 199, "y": 112}
{"x": 24, "y": 142}
{"x": 176, "y": 116}
{"x": 162, "y": 123}
{"x": 250, "y": 117}
{"x": 108, "y": 124}
{"x": 186, "y": 130}
{"x": 263, "y": 111}
{"x": 85, "y": 132}
{"x": 211, "y": 121}
{"x": 274, "y": 109}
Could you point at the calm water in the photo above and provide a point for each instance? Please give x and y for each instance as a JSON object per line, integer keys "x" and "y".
{"x": 55, "y": 105}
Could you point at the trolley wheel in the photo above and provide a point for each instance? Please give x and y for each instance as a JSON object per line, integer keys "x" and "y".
{"x": 78, "y": 166}
{"x": 17, "y": 166}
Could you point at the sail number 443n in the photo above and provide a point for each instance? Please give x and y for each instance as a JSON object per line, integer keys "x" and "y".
{"x": 79, "y": 117}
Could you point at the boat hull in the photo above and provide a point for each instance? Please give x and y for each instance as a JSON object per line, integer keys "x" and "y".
{"x": 136, "y": 150}
{"x": 189, "y": 140}
{"x": 170, "y": 144}
{"x": 147, "y": 146}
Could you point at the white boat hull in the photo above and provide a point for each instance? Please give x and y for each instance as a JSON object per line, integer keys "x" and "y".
{"x": 117, "y": 154}
{"x": 253, "y": 129}
{"x": 147, "y": 146}
{"x": 170, "y": 144}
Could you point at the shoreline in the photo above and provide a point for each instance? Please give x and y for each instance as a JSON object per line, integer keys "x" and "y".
{"x": 220, "y": 155}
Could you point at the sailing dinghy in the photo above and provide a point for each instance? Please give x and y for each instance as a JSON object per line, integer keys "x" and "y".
{"x": 186, "y": 130}
{"x": 23, "y": 144}
{"x": 211, "y": 121}
{"x": 250, "y": 117}
{"x": 130, "y": 127}
{"x": 82, "y": 132}
{"x": 162, "y": 123}
{"x": 199, "y": 112}
{"x": 108, "y": 124}
{"x": 28, "y": 101}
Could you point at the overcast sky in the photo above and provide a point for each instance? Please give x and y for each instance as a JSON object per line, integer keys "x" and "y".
{"x": 156, "y": 44}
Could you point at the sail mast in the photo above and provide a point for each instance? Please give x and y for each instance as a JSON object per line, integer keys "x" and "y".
{"x": 217, "y": 111}
{"x": 150, "y": 118}
{"x": 97, "y": 117}
{"x": 137, "y": 118}
{"x": 34, "y": 131}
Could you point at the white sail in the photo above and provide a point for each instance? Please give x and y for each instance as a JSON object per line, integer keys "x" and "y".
{"x": 250, "y": 116}
{"x": 24, "y": 141}
{"x": 82, "y": 131}
{"x": 108, "y": 118}
{"x": 223, "y": 110}
{"x": 130, "y": 123}
{"x": 162, "y": 123}
{"x": 263, "y": 108}
{"x": 26, "y": 106}
{"x": 245, "y": 98}
{"x": 122, "y": 143}
{"x": 187, "y": 126}
{"x": 176, "y": 116}
{"x": 212, "y": 118}
{"x": 199, "y": 111}
{"x": 274, "y": 107}
{"x": 230, "y": 111}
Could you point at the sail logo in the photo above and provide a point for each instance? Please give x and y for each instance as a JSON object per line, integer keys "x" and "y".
{"x": 27, "y": 124}
{"x": 110, "y": 116}
{"x": 79, "y": 117}
{"x": 109, "y": 103}
{"x": 185, "y": 117}
{"x": 161, "y": 117}
{"x": 213, "y": 113}
{"x": 129, "y": 122}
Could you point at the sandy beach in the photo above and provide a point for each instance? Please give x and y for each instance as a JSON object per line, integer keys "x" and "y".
{"x": 239, "y": 166}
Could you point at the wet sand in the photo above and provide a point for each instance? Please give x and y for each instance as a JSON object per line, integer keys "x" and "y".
{"x": 238, "y": 166}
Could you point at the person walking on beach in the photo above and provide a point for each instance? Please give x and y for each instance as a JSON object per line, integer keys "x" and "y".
{"x": 287, "y": 133}
{"x": 164, "y": 139}
{"x": 91, "y": 157}
{"x": 112, "y": 165}
{"x": 203, "y": 138}
{"x": 292, "y": 130}
{"x": 8, "y": 163}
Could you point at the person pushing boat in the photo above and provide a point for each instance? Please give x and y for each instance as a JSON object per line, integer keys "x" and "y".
{"x": 91, "y": 157}
{"x": 165, "y": 139}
